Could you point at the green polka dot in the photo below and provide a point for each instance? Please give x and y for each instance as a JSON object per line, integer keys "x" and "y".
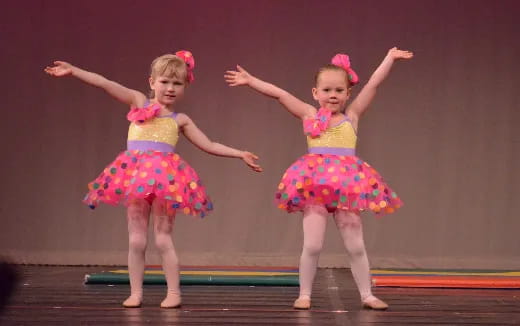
{"x": 343, "y": 199}
{"x": 285, "y": 195}
{"x": 113, "y": 170}
{"x": 354, "y": 204}
{"x": 170, "y": 177}
{"x": 375, "y": 192}
{"x": 151, "y": 182}
{"x": 336, "y": 162}
{"x": 334, "y": 204}
{"x": 394, "y": 195}
{"x": 95, "y": 185}
{"x": 118, "y": 191}
{"x": 302, "y": 173}
{"x": 321, "y": 169}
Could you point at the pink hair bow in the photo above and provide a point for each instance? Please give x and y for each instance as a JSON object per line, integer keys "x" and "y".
{"x": 140, "y": 115}
{"x": 315, "y": 126}
{"x": 343, "y": 61}
{"x": 190, "y": 62}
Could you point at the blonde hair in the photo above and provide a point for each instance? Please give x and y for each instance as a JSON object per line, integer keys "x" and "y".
{"x": 169, "y": 65}
{"x": 332, "y": 67}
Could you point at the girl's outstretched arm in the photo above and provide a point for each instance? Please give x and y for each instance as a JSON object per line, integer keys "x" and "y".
{"x": 118, "y": 91}
{"x": 294, "y": 105}
{"x": 199, "y": 139}
{"x": 365, "y": 97}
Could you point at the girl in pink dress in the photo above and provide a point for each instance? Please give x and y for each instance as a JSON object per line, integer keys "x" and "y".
{"x": 150, "y": 178}
{"x": 331, "y": 178}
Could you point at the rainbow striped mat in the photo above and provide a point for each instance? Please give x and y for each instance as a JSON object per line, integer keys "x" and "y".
{"x": 288, "y": 276}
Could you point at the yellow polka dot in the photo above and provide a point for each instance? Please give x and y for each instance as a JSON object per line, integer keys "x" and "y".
{"x": 334, "y": 179}
{"x": 176, "y": 157}
{"x": 308, "y": 182}
{"x": 377, "y": 209}
{"x": 325, "y": 192}
{"x": 186, "y": 210}
{"x": 331, "y": 169}
{"x": 372, "y": 205}
{"x": 299, "y": 185}
{"x": 361, "y": 175}
{"x": 371, "y": 181}
{"x": 306, "y": 194}
{"x": 126, "y": 183}
{"x": 193, "y": 185}
{"x": 382, "y": 204}
{"x": 311, "y": 164}
{"x": 390, "y": 210}
{"x": 178, "y": 199}
{"x": 143, "y": 174}
{"x": 164, "y": 164}
{"x": 281, "y": 186}
{"x": 148, "y": 164}
{"x": 281, "y": 206}
{"x": 343, "y": 170}
{"x": 172, "y": 188}
{"x": 357, "y": 190}
{"x": 319, "y": 160}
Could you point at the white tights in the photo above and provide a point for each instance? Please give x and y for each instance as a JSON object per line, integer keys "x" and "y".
{"x": 138, "y": 217}
{"x": 351, "y": 230}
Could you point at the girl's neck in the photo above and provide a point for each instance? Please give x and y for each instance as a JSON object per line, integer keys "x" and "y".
{"x": 164, "y": 110}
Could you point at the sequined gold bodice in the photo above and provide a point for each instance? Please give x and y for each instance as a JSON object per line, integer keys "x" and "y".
{"x": 339, "y": 136}
{"x": 159, "y": 129}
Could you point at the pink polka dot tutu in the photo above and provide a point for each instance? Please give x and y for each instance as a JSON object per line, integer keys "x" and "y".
{"x": 336, "y": 182}
{"x": 153, "y": 176}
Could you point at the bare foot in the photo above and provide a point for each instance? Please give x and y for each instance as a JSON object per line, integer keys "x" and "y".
{"x": 374, "y": 303}
{"x": 302, "y": 303}
{"x": 172, "y": 300}
{"x": 133, "y": 301}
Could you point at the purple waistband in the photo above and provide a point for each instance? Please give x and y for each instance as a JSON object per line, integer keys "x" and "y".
{"x": 147, "y": 145}
{"x": 333, "y": 150}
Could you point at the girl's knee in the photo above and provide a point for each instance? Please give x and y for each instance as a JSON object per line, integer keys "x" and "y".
{"x": 356, "y": 249}
{"x": 137, "y": 242}
{"x": 163, "y": 242}
{"x": 312, "y": 249}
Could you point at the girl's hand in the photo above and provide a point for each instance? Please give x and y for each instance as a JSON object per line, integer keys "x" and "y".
{"x": 249, "y": 159}
{"x": 397, "y": 54}
{"x": 60, "y": 69}
{"x": 237, "y": 78}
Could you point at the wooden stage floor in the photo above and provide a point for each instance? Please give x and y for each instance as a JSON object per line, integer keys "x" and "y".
{"x": 56, "y": 295}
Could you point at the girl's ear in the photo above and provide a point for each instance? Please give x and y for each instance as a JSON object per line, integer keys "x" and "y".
{"x": 315, "y": 93}
{"x": 150, "y": 81}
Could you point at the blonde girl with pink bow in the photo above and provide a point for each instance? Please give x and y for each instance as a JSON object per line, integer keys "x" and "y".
{"x": 149, "y": 177}
{"x": 331, "y": 178}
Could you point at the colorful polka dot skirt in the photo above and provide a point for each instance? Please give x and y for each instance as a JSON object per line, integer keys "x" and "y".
{"x": 336, "y": 182}
{"x": 150, "y": 175}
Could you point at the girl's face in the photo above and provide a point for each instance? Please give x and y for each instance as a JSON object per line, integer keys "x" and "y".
{"x": 332, "y": 90}
{"x": 168, "y": 90}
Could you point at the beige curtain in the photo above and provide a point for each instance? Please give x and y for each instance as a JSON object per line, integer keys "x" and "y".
{"x": 442, "y": 130}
